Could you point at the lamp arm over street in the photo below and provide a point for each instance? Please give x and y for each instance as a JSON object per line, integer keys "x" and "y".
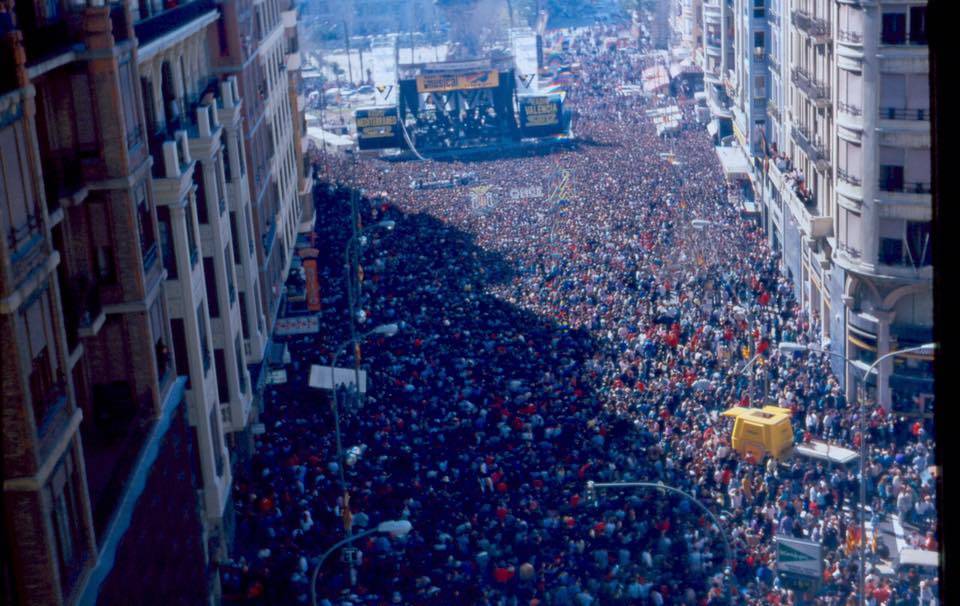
{"x": 730, "y": 550}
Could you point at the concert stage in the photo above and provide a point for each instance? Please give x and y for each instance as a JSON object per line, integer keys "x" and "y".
{"x": 466, "y": 109}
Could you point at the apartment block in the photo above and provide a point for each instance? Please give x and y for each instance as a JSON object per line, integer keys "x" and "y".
{"x": 298, "y": 104}
{"x": 253, "y": 48}
{"x": 846, "y": 186}
{"x": 131, "y": 290}
{"x": 718, "y": 65}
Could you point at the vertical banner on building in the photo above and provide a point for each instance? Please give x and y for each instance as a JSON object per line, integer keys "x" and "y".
{"x": 313, "y": 284}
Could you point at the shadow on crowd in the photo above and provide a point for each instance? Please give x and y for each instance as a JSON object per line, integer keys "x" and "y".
{"x": 481, "y": 425}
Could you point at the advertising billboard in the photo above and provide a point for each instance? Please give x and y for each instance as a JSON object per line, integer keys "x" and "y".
{"x": 540, "y": 115}
{"x": 378, "y": 128}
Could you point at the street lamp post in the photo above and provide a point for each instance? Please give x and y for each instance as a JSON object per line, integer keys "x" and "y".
{"x": 928, "y": 348}
{"x": 730, "y": 550}
{"x": 387, "y": 330}
{"x": 397, "y": 528}
{"x": 351, "y": 265}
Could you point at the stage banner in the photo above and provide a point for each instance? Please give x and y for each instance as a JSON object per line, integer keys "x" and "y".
{"x": 441, "y": 83}
{"x": 313, "y": 284}
{"x": 540, "y": 115}
{"x": 378, "y": 128}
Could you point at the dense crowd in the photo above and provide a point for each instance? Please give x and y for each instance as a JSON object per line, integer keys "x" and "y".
{"x": 588, "y": 333}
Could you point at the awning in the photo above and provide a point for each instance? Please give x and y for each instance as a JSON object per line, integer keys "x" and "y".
{"x": 734, "y": 162}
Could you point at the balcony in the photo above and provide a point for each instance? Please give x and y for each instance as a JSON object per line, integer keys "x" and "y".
{"x": 774, "y": 62}
{"x": 27, "y": 247}
{"x": 850, "y": 37}
{"x": 847, "y": 108}
{"x": 268, "y": 239}
{"x": 846, "y": 177}
{"x": 814, "y": 27}
{"x": 817, "y": 92}
{"x": 83, "y": 307}
{"x": 903, "y": 187}
{"x": 772, "y": 15}
{"x": 773, "y": 111}
{"x": 815, "y": 152}
{"x": 153, "y": 28}
{"x": 895, "y": 113}
{"x": 62, "y": 181}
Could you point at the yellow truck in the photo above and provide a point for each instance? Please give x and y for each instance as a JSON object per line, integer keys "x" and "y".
{"x": 761, "y": 431}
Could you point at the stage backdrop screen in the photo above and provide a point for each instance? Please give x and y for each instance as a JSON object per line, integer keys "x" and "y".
{"x": 441, "y": 83}
{"x": 378, "y": 128}
{"x": 541, "y": 115}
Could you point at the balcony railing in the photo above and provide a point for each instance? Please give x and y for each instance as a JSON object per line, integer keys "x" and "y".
{"x": 814, "y": 151}
{"x": 268, "y": 239}
{"x": 816, "y": 28}
{"x": 48, "y": 405}
{"x": 846, "y": 108}
{"x": 26, "y": 245}
{"x": 896, "y": 113}
{"x": 848, "y": 178}
{"x": 904, "y": 187}
{"x": 774, "y": 61}
{"x": 850, "y": 37}
{"x": 817, "y": 92}
{"x": 154, "y": 27}
{"x": 773, "y": 110}
{"x": 772, "y": 15}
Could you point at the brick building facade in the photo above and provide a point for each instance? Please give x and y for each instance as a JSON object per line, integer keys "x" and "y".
{"x": 135, "y": 279}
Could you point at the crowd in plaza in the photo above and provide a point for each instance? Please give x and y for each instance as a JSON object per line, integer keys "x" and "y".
{"x": 588, "y": 333}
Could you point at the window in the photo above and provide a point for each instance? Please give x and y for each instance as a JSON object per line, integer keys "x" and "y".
{"x": 894, "y": 28}
{"x": 201, "y": 194}
{"x": 106, "y": 269}
{"x": 919, "y": 246}
{"x": 220, "y": 362}
{"x": 240, "y": 154}
{"x": 760, "y": 86}
{"x": 231, "y": 289}
{"x": 893, "y": 95}
{"x": 233, "y": 235}
{"x": 227, "y": 171}
{"x": 891, "y": 241}
{"x": 166, "y": 242}
{"x": 758, "y": 41}
{"x": 918, "y": 25}
{"x": 210, "y": 279}
{"x": 891, "y": 177}
{"x": 67, "y": 521}
{"x": 42, "y": 388}
{"x": 758, "y": 9}
{"x": 179, "y": 336}
{"x": 217, "y": 439}
{"x": 128, "y": 99}
{"x": 191, "y": 237}
{"x": 204, "y": 344}
{"x": 218, "y": 175}
{"x": 891, "y": 168}
{"x": 241, "y": 374}
{"x": 148, "y": 241}
{"x": 244, "y": 327}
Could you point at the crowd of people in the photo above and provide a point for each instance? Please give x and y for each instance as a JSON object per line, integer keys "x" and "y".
{"x": 590, "y": 332}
